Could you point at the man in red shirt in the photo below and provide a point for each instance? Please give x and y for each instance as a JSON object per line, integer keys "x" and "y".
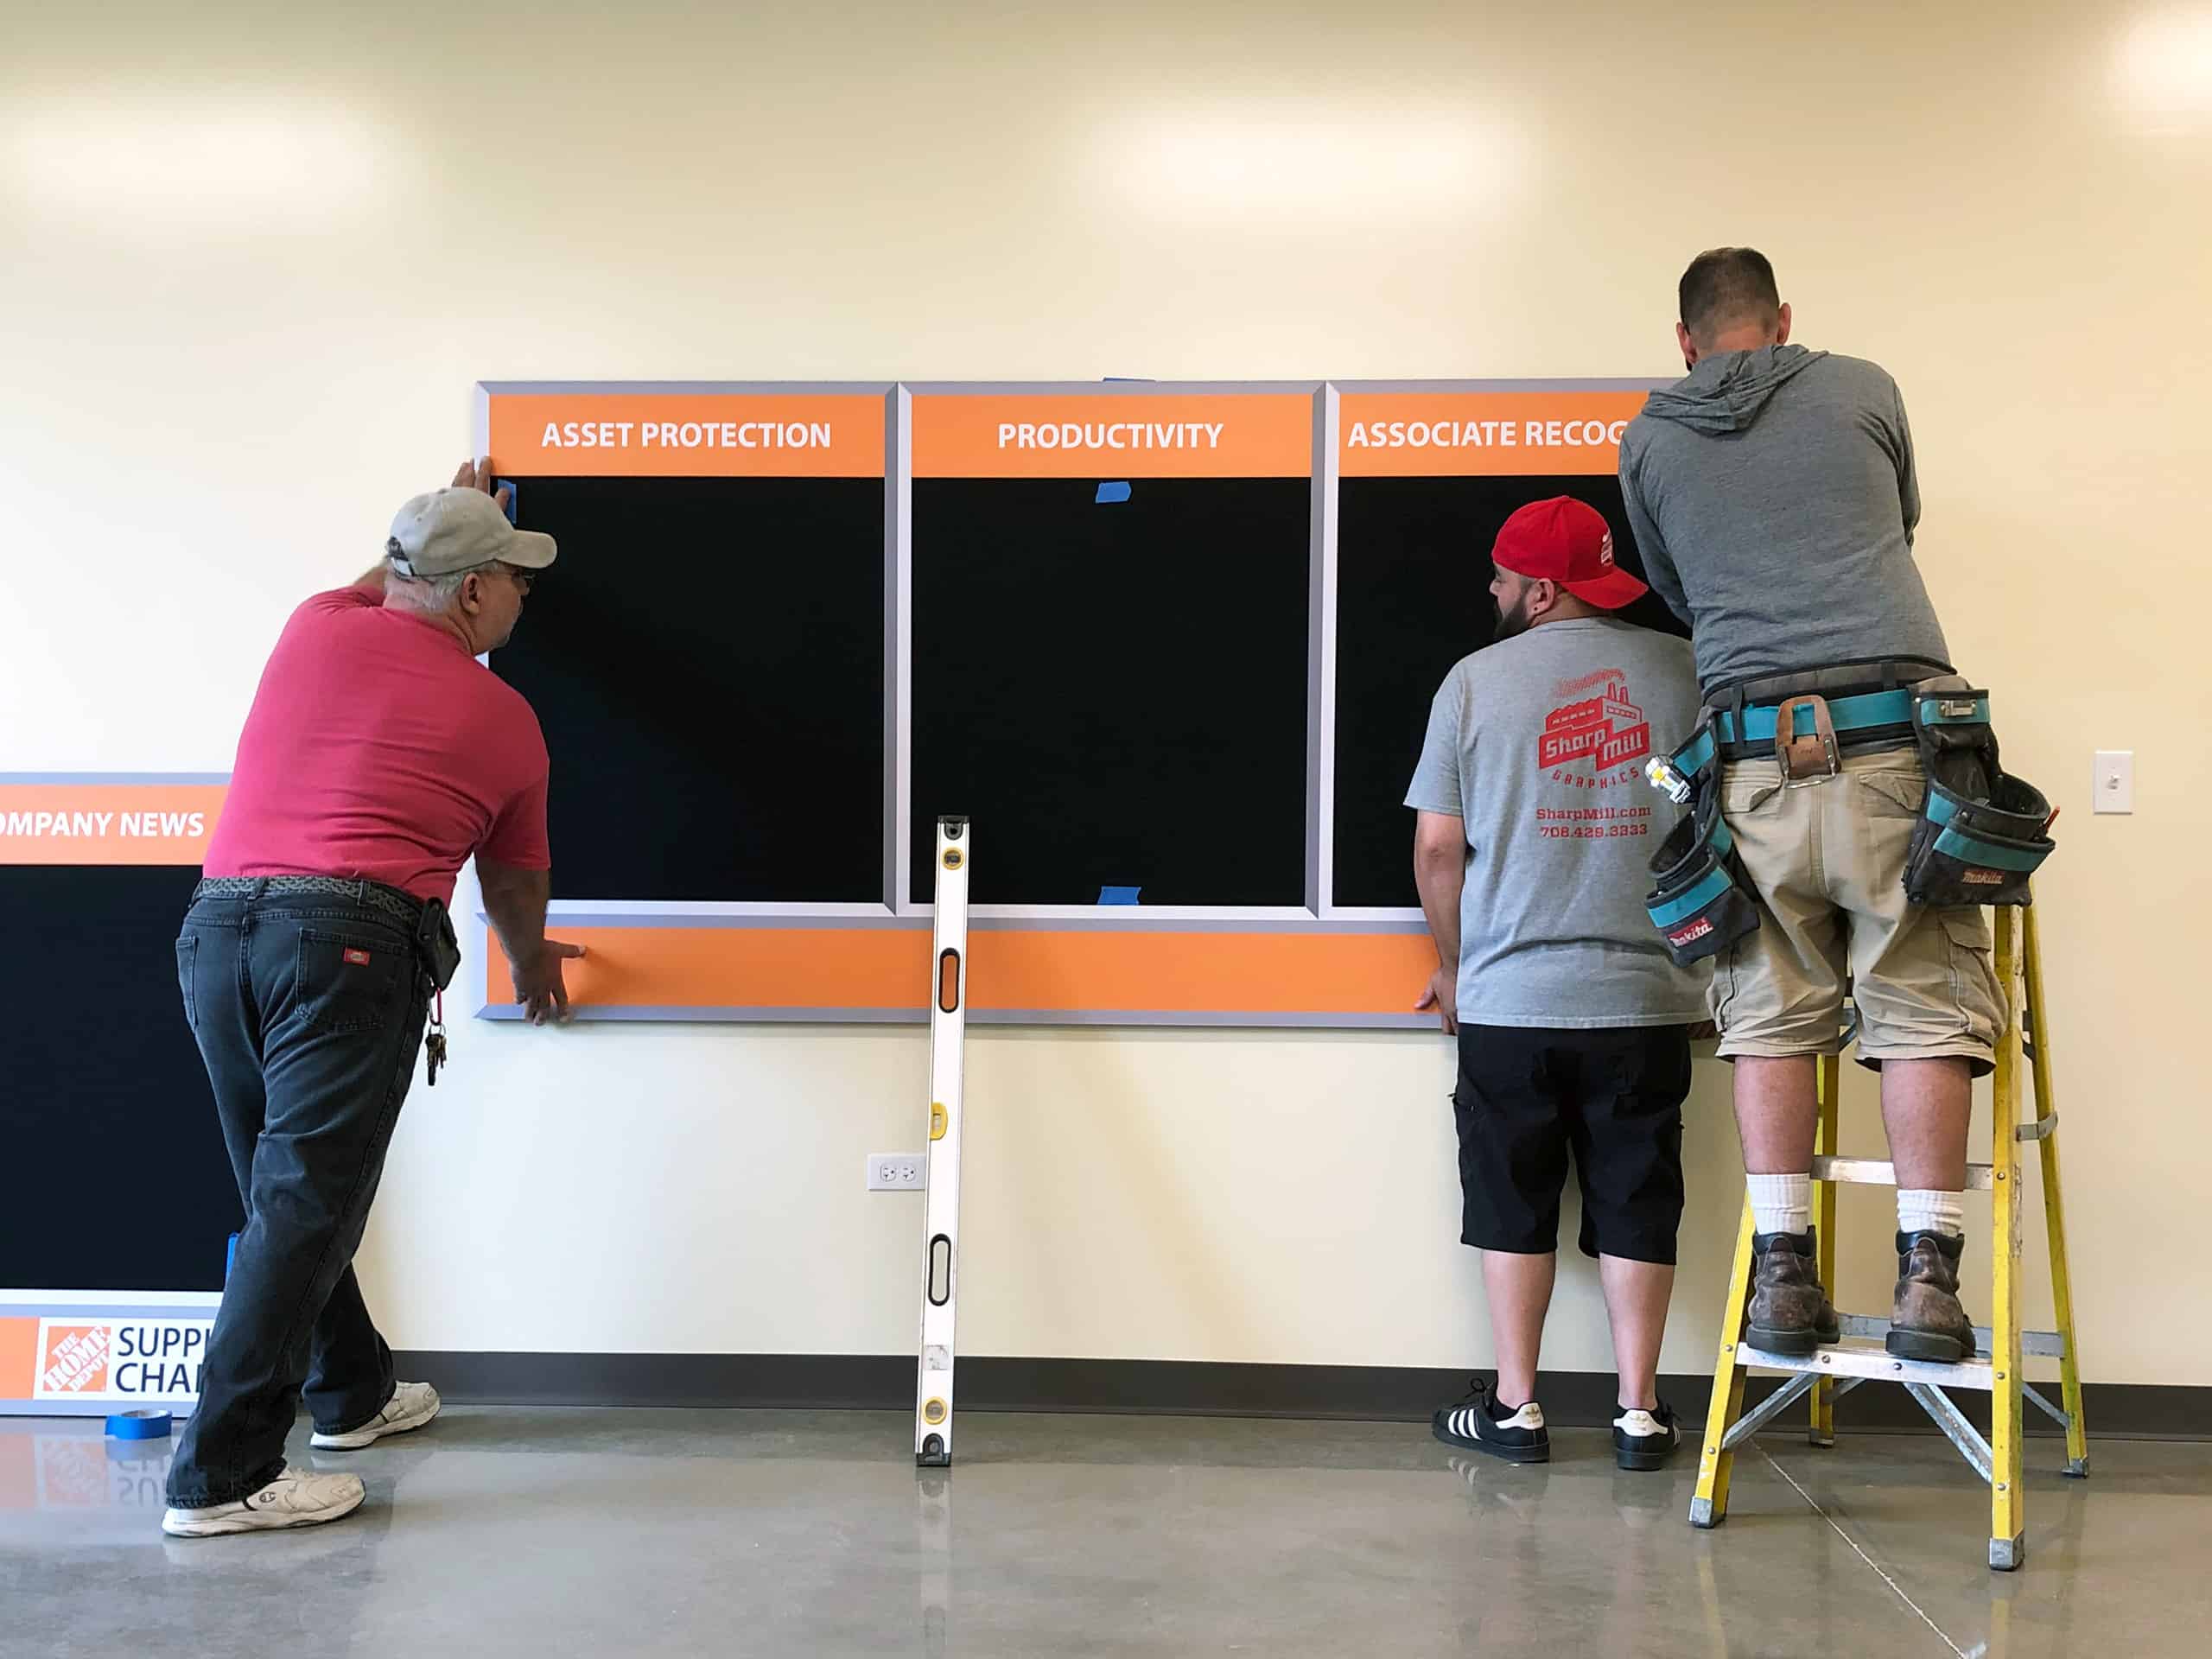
{"x": 380, "y": 756}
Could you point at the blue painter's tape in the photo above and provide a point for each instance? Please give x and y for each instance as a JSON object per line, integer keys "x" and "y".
{"x": 1111, "y": 493}
{"x": 139, "y": 1425}
{"x": 1118, "y": 895}
{"x": 512, "y": 491}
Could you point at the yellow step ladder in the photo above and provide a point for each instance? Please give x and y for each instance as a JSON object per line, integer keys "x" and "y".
{"x": 1995, "y": 1369}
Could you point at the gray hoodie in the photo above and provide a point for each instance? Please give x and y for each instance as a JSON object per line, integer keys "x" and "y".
{"x": 1773, "y": 498}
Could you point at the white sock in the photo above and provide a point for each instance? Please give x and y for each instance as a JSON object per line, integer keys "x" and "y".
{"x": 1781, "y": 1204}
{"x": 1923, "y": 1210}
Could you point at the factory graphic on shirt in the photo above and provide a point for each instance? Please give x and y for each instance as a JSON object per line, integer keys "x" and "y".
{"x": 1592, "y": 740}
{"x": 1595, "y": 722}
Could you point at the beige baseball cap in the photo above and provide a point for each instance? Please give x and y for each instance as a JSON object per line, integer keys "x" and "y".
{"x": 450, "y": 530}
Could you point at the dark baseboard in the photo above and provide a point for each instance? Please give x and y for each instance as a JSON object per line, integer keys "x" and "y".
{"x": 1182, "y": 1388}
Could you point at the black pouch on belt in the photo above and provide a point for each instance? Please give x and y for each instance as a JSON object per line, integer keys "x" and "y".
{"x": 439, "y": 945}
{"x": 1982, "y": 832}
{"x": 1703, "y": 903}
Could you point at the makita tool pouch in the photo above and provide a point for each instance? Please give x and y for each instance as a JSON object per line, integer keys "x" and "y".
{"x": 1703, "y": 903}
{"x": 1982, "y": 832}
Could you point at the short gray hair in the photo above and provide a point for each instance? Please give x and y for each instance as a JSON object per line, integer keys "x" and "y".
{"x": 430, "y": 593}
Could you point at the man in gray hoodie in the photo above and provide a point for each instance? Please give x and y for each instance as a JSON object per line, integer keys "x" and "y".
{"x": 1773, "y": 498}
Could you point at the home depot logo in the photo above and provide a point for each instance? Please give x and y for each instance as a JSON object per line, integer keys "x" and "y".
{"x": 151, "y": 1358}
{"x": 73, "y": 1358}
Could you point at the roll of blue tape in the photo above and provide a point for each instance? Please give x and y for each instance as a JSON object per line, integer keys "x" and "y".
{"x": 139, "y": 1425}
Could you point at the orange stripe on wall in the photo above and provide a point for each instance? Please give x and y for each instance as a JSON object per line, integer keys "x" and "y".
{"x": 1010, "y": 970}
{"x": 108, "y": 823}
{"x": 18, "y": 1359}
{"x": 1393, "y": 433}
{"x": 1262, "y": 434}
{"x": 623, "y": 435}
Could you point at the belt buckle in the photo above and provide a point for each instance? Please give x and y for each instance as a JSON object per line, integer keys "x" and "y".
{"x": 1805, "y": 761}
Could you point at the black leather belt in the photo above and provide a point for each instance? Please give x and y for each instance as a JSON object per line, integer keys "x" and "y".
{"x": 404, "y": 907}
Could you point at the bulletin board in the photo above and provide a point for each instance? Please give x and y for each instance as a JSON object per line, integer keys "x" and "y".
{"x": 1170, "y": 647}
{"x": 717, "y": 620}
{"x": 119, "y": 1200}
{"x": 1425, "y": 479}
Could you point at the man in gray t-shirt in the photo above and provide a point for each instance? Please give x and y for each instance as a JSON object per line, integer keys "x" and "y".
{"x": 1531, "y": 849}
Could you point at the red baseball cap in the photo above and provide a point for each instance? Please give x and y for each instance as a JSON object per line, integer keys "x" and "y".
{"x": 1567, "y": 541}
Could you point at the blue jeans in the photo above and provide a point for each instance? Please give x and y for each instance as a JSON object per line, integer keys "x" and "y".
{"x": 308, "y": 1010}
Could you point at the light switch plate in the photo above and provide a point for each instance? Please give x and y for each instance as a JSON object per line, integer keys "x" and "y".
{"x": 2113, "y": 788}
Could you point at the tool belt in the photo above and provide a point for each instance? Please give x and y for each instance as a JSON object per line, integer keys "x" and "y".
{"x": 1703, "y": 900}
{"x": 435, "y": 943}
{"x": 1981, "y": 834}
{"x": 1830, "y": 712}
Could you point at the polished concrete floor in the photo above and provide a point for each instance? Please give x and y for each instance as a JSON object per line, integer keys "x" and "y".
{"x": 500, "y": 1532}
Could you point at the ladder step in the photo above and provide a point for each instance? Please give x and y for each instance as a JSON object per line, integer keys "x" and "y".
{"x": 1861, "y": 1356}
{"x": 2045, "y": 1345}
{"x": 1874, "y": 1172}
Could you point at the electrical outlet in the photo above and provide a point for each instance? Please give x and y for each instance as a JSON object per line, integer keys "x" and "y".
{"x": 894, "y": 1171}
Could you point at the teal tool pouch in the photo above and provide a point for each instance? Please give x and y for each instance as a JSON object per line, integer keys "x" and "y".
{"x": 1702, "y": 902}
{"x": 1982, "y": 832}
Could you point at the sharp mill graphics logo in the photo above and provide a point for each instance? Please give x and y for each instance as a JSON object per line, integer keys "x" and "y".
{"x": 1594, "y": 722}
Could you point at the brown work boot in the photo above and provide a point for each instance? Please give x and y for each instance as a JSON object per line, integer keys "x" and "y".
{"x": 1927, "y": 1321}
{"x": 1789, "y": 1313}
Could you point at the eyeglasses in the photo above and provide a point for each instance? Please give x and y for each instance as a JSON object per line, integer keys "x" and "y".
{"x": 524, "y": 580}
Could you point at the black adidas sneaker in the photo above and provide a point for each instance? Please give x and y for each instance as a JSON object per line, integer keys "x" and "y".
{"x": 1481, "y": 1423}
{"x": 1645, "y": 1440}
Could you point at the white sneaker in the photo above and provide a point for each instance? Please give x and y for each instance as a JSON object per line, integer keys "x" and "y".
{"x": 294, "y": 1498}
{"x": 411, "y": 1405}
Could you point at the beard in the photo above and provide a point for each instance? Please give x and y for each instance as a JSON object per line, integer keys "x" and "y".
{"x": 1510, "y": 623}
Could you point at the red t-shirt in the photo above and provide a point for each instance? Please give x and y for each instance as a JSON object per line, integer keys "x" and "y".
{"x": 378, "y": 747}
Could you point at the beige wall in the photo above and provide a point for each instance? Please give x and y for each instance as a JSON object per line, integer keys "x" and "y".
{"x": 251, "y": 260}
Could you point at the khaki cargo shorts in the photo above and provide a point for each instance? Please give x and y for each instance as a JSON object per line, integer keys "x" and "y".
{"x": 1827, "y": 860}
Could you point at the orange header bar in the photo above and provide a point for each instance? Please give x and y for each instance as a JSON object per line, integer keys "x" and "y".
{"x": 1104, "y": 435}
{"x": 687, "y": 434}
{"x": 1487, "y": 434}
{"x": 108, "y": 823}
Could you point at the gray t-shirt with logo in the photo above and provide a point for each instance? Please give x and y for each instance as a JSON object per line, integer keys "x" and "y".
{"x": 1539, "y": 743}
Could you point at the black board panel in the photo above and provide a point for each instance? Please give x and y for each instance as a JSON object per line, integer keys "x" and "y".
{"x": 1413, "y": 598}
{"x": 706, "y": 657}
{"x": 115, "y": 1177}
{"x": 1116, "y": 693}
